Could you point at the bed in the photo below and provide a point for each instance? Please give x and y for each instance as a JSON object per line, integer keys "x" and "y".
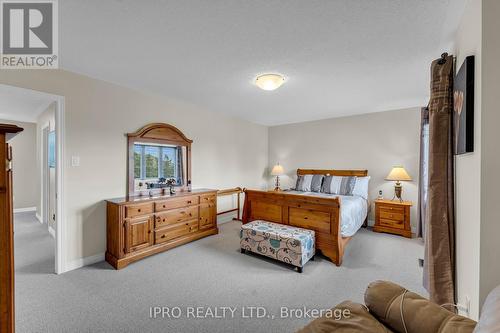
{"x": 334, "y": 218}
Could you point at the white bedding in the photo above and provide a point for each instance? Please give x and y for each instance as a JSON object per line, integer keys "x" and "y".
{"x": 353, "y": 210}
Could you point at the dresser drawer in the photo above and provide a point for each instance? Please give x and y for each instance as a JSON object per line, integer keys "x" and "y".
{"x": 392, "y": 215}
{"x": 138, "y": 210}
{"x": 209, "y": 198}
{"x": 176, "y": 203}
{"x": 175, "y": 216}
{"x": 176, "y": 230}
{"x": 392, "y": 223}
{"x": 307, "y": 219}
{"x": 392, "y": 209}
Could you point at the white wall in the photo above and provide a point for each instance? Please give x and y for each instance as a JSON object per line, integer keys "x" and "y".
{"x": 375, "y": 141}
{"x": 490, "y": 152}
{"x": 24, "y": 175}
{"x": 226, "y": 152}
{"x": 468, "y": 170}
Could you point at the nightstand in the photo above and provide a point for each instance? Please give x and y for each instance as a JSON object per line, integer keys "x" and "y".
{"x": 393, "y": 217}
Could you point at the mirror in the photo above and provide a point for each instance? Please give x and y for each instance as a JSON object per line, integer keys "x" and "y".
{"x": 159, "y": 158}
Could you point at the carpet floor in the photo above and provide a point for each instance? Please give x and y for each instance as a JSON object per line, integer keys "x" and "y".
{"x": 205, "y": 276}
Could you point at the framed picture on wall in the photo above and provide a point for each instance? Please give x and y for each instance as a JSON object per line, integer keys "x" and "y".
{"x": 52, "y": 149}
{"x": 463, "y": 108}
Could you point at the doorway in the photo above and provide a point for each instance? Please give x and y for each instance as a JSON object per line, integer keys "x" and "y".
{"x": 30, "y": 107}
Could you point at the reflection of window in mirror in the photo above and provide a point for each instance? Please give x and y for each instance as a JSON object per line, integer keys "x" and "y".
{"x": 159, "y": 156}
{"x": 153, "y": 162}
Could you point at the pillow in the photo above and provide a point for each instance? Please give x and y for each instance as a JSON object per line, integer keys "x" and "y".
{"x": 361, "y": 187}
{"x": 340, "y": 185}
{"x": 317, "y": 181}
{"x": 304, "y": 183}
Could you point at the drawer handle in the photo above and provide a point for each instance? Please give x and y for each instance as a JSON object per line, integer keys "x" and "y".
{"x": 189, "y": 201}
{"x": 305, "y": 218}
{"x": 164, "y": 206}
{"x": 187, "y": 224}
{"x": 162, "y": 236}
{"x": 139, "y": 210}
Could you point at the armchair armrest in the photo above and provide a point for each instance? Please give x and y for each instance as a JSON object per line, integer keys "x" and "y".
{"x": 385, "y": 299}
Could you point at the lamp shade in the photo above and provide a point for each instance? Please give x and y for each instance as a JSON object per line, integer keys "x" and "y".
{"x": 277, "y": 170}
{"x": 398, "y": 173}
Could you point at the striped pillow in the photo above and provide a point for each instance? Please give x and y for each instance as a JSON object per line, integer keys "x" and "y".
{"x": 304, "y": 183}
{"x": 340, "y": 185}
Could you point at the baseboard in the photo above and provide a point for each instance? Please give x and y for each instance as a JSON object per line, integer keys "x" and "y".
{"x": 39, "y": 218}
{"x": 78, "y": 263}
{"x": 24, "y": 210}
{"x": 52, "y": 232}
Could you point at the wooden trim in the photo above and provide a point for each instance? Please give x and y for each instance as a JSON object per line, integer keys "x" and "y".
{"x": 232, "y": 191}
{"x": 282, "y": 207}
{"x": 332, "y": 172}
{"x": 159, "y": 133}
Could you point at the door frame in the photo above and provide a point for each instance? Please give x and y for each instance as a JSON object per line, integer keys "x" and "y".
{"x": 45, "y": 174}
{"x": 60, "y": 223}
{"x": 60, "y": 246}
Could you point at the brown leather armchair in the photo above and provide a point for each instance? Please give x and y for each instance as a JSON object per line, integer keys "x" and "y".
{"x": 392, "y": 308}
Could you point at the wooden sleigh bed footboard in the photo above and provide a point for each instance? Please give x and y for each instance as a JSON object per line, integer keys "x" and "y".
{"x": 316, "y": 213}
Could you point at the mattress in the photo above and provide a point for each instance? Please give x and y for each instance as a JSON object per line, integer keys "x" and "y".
{"x": 353, "y": 210}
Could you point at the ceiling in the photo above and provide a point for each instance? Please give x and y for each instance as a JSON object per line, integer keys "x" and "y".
{"x": 22, "y": 104}
{"x": 340, "y": 57}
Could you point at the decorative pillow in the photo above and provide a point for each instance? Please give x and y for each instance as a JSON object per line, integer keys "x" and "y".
{"x": 340, "y": 185}
{"x": 304, "y": 183}
{"x": 361, "y": 187}
{"x": 317, "y": 181}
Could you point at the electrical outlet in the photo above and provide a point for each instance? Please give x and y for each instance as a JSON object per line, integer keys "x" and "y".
{"x": 465, "y": 308}
{"x": 75, "y": 161}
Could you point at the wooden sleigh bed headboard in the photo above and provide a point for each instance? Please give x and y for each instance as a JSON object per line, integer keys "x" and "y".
{"x": 331, "y": 172}
{"x": 316, "y": 213}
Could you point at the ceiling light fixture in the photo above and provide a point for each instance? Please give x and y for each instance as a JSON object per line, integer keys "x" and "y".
{"x": 269, "y": 81}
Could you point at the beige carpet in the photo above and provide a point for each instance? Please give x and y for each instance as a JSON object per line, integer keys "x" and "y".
{"x": 207, "y": 273}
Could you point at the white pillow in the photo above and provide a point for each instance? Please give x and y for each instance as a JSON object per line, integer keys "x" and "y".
{"x": 361, "y": 187}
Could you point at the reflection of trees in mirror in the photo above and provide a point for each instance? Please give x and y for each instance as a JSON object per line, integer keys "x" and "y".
{"x": 153, "y": 162}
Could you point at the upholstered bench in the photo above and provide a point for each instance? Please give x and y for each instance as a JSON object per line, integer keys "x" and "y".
{"x": 285, "y": 243}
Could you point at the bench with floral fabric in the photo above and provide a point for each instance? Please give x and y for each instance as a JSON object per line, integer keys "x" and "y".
{"x": 285, "y": 243}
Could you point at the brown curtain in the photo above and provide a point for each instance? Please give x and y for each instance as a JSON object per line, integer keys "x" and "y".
{"x": 439, "y": 261}
{"x": 423, "y": 178}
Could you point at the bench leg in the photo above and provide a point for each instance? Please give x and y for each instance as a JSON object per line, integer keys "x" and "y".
{"x": 299, "y": 269}
{"x": 242, "y": 250}
{"x": 312, "y": 258}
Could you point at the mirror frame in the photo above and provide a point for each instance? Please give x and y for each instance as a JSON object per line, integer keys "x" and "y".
{"x": 157, "y": 133}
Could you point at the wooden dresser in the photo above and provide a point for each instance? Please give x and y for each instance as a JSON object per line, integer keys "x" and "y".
{"x": 141, "y": 226}
{"x": 393, "y": 217}
{"x": 7, "y": 318}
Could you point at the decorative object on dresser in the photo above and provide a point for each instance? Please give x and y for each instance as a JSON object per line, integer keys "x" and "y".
{"x": 7, "y": 318}
{"x": 141, "y": 226}
{"x": 398, "y": 173}
{"x": 277, "y": 172}
{"x": 320, "y": 213}
{"x": 168, "y": 213}
{"x": 393, "y": 217}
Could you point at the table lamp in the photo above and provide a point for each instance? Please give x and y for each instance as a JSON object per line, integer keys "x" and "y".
{"x": 398, "y": 173}
{"x": 277, "y": 171}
